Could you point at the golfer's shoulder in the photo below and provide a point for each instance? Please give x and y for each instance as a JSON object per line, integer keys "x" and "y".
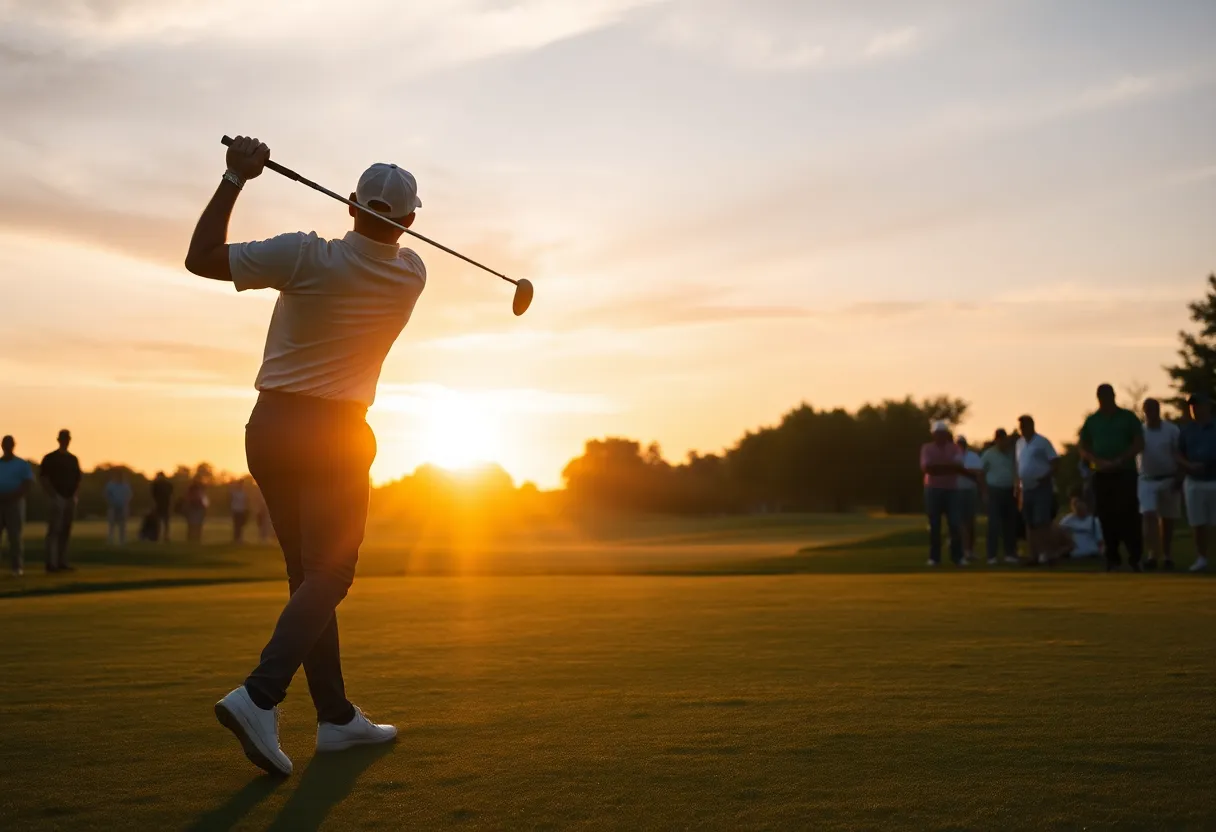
{"x": 409, "y": 260}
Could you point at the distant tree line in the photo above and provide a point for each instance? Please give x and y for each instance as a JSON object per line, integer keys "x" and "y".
{"x": 813, "y": 460}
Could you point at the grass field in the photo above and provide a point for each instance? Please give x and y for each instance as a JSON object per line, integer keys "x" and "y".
{"x": 796, "y": 673}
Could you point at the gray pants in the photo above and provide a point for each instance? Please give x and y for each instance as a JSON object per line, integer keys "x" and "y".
{"x": 117, "y": 532}
{"x": 310, "y": 458}
{"x": 59, "y": 531}
{"x": 12, "y": 524}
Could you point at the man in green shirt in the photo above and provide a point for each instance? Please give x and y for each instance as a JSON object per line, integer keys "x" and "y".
{"x": 1111, "y": 438}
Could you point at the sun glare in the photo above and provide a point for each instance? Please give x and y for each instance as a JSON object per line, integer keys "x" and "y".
{"x": 460, "y": 431}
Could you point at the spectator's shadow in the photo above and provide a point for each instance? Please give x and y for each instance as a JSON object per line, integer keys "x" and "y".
{"x": 328, "y": 779}
{"x": 237, "y": 806}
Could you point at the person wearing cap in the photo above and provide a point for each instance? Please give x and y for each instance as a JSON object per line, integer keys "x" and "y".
{"x": 1197, "y": 457}
{"x": 941, "y": 462}
{"x": 1160, "y": 494}
{"x": 1037, "y": 462}
{"x": 969, "y": 492}
{"x": 1111, "y": 439}
{"x": 341, "y": 305}
{"x": 1000, "y": 474}
{"x": 16, "y": 480}
{"x": 60, "y": 475}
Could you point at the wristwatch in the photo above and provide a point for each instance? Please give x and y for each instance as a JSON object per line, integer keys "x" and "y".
{"x": 234, "y": 179}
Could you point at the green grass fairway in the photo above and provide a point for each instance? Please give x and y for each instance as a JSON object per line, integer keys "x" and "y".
{"x": 793, "y": 701}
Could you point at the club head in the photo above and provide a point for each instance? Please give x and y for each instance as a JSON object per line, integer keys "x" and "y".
{"x": 523, "y": 297}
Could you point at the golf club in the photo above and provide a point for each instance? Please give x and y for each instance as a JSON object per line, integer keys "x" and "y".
{"x": 523, "y": 287}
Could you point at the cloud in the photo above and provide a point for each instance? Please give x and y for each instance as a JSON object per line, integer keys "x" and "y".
{"x": 893, "y": 43}
{"x": 776, "y": 36}
{"x": 440, "y": 33}
{"x": 423, "y": 398}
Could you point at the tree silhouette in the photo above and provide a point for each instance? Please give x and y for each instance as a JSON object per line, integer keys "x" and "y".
{"x": 1196, "y": 370}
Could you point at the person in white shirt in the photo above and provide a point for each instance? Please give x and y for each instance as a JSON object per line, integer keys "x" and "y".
{"x": 970, "y": 486}
{"x": 1160, "y": 486}
{"x": 1080, "y": 533}
{"x": 1037, "y": 462}
{"x": 341, "y": 305}
{"x": 238, "y": 504}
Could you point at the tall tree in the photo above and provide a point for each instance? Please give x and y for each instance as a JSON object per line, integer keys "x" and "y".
{"x": 1196, "y": 370}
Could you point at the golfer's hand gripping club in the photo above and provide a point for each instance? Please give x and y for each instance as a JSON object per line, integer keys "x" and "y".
{"x": 523, "y": 287}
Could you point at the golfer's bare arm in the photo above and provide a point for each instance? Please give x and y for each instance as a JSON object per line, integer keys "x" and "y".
{"x": 208, "y": 253}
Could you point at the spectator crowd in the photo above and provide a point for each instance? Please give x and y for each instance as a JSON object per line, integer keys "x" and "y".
{"x": 59, "y": 477}
{"x": 1138, "y": 476}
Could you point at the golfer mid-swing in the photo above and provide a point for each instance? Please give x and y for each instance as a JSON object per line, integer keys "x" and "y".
{"x": 342, "y": 303}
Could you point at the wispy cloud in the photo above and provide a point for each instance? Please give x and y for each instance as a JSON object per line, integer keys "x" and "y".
{"x": 424, "y": 398}
{"x": 783, "y": 37}
{"x": 893, "y": 43}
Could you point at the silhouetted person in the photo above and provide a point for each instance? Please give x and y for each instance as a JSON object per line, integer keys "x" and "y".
{"x": 195, "y": 509}
{"x": 118, "y": 507}
{"x": 970, "y": 485}
{"x": 238, "y": 503}
{"x": 1037, "y": 462}
{"x": 342, "y": 303}
{"x": 60, "y": 475}
{"x": 16, "y": 480}
{"x": 1111, "y": 438}
{"x": 1000, "y": 476}
{"x": 1160, "y": 486}
{"x": 941, "y": 461}
{"x": 162, "y": 502}
{"x": 1197, "y": 457}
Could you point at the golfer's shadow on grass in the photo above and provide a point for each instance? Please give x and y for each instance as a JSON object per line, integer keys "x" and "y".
{"x": 325, "y": 783}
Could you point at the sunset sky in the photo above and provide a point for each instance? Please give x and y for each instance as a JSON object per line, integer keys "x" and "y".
{"x": 727, "y": 208}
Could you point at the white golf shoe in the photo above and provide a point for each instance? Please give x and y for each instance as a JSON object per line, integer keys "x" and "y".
{"x": 359, "y": 731}
{"x": 1200, "y": 565}
{"x": 257, "y": 729}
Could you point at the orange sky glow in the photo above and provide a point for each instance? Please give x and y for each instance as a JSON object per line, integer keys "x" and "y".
{"x": 726, "y": 208}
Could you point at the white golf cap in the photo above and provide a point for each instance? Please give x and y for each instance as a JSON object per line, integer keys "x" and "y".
{"x": 391, "y": 186}
{"x": 940, "y": 427}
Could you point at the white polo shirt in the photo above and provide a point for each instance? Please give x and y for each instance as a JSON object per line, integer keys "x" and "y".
{"x": 342, "y": 304}
{"x": 1034, "y": 459}
{"x": 1160, "y": 444}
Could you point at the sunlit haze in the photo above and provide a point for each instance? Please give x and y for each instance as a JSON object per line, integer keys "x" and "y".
{"x": 726, "y": 208}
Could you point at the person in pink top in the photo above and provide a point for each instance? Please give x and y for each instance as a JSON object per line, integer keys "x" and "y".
{"x": 941, "y": 461}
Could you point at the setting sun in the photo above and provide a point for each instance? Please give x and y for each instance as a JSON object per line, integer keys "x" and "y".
{"x": 459, "y": 431}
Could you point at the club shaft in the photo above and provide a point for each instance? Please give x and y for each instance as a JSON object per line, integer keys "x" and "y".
{"x": 283, "y": 170}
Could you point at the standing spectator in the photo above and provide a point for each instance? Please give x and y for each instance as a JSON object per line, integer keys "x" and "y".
{"x": 1111, "y": 439}
{"x": 238, "y": 500}
{"x": 1197, "y": 456}
{"x": 1160, "y": 497}
{"x": 261, "y": 515}
{"x": 16, "y": 479}
{"x": 1037, "y": 461}
{"x": 196, "y": 510}
{"x": 118, "y": 507}
{"x": 60, "y": 475}
{"x": 162, "y": 501}
{"x": 970, "y": 485}
{"x": 941, "y": 461}
{"x": 1000, "y": 474}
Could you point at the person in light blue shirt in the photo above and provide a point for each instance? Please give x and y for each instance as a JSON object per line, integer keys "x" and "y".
{"x": 16, "y": 480}
{"x": 118, "y": 506}
{"x": 1000, "y": 478}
